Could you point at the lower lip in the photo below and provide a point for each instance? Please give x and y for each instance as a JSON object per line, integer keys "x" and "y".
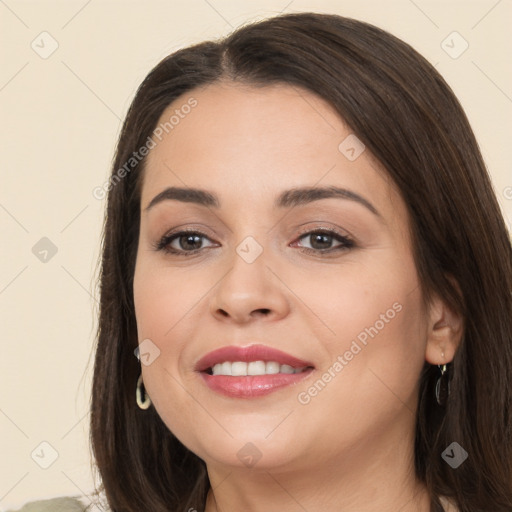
{"x": 252, "y": 386}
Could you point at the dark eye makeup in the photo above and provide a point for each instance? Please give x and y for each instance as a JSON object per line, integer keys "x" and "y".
{"x": 190, "y": 242}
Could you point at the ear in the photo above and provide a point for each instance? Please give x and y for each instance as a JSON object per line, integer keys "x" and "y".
{"x": 445, "y": 331}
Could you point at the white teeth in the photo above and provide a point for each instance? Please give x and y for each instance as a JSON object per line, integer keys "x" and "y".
{"x": 256, "y": 368}
{"x": 240, "y": 368}
{"x": 271, "y": 367}
{"x": 226, "y": 368}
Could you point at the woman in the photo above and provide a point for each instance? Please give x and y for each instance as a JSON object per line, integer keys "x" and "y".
{"x": 304, "y": 251}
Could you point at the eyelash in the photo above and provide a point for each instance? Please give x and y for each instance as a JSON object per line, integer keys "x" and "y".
{"x": 347, "y": 243}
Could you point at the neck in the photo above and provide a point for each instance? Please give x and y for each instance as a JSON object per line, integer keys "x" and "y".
{"x": 276, "y": 493}
{"x": 368, "y": 477}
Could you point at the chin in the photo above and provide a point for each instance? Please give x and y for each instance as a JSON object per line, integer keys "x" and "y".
{"x": 252, "y": 455}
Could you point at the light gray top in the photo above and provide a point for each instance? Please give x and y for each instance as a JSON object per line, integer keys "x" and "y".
{"x": 55, "y": 505}
{"x": 75, "y": 505}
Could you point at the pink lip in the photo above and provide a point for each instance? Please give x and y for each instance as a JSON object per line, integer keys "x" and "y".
{"x": 251, "y": 386}
{"x": 247, "y": 354}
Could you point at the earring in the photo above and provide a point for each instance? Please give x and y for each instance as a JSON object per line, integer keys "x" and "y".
{"x": 145, "y": 402}
{"x": 442, "y": 386}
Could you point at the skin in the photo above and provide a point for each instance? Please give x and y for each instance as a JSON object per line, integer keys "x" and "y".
{"x": 350, "y": 447}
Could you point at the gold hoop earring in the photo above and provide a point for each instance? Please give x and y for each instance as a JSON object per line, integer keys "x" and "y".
{"x": 140, "y": 392}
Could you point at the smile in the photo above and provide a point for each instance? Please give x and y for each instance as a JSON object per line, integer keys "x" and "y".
{"x": 242, "y": 369}
{"x": 252, "y": 371}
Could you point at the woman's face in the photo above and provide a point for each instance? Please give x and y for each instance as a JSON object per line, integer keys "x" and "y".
{"x": 325, "y": 278}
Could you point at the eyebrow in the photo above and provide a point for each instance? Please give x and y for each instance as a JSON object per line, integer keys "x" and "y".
{"x": 287, "y": 199}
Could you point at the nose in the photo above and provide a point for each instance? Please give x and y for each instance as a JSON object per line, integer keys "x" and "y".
{"x": 249, "y": 291}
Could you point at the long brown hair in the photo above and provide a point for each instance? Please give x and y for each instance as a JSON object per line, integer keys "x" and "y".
{"x": 407, "y": 116}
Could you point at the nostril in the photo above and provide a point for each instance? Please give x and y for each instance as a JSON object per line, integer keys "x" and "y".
{"x": 262, "y": 311}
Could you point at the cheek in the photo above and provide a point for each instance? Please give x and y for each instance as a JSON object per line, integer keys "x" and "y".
{"x": 163, "y": 298}
{"x": 373, "y": 320}
{"x": 370, "y": 375}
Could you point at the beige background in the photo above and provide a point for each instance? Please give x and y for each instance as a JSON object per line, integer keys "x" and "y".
{"x": 60, "y": 118}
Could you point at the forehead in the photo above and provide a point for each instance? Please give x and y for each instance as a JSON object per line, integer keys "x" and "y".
{"x": 255, "y": 141}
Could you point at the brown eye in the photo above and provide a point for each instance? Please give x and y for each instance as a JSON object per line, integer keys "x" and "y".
{"x": 189, "y": 242}
{"x": 184, "y": 243}
{"x": 321, "y": 241}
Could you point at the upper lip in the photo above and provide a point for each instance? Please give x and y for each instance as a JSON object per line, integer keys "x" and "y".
{"x": 247, "y": 354}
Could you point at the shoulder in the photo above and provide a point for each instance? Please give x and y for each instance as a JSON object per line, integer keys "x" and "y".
{"x": 448, "y": 504}
{"x": 65, "y": 504}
